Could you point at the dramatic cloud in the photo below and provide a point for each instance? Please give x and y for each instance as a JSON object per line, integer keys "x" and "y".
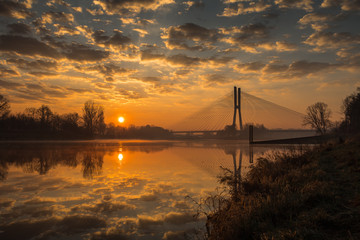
{"x": 124, "y": 7}
{"x": 251, "y": 67}
{"x": 19, "y": 28}
{"x": 79, "y": 52}
{"x": 178, "y": 37}
{"x": 294, "y": 70}
{"x": 306, "y": 5}
{"x": 235, "y": 8}
{"x": 329, "y": 40}
{"x": 108, "y": 70}
{"x": 14, "y": 9}
{"x": 194, "y": 4}
{"x": 183, "y": 60}
{"x": 118, "y": 40}
{"x": 33, "y": 65}
{"x": 61, "y": 17}
{"x": 319, "y": 21}
{"x": 27, "y": 46}
{"x": 247, "y": 37}
{"x": 346, "y": 5}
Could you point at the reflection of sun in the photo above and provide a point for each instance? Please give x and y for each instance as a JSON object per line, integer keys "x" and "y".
{"x": 120, "y": 157}
{"x": 121, "y": 119}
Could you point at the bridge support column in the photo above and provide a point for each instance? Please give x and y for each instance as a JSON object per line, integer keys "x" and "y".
{"x": 237, "y": 106}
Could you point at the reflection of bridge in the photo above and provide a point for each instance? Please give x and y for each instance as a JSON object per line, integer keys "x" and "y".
{"x": 251, "y": 110}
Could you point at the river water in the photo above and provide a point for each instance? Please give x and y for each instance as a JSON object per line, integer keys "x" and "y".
{"x": 112, "y": 189}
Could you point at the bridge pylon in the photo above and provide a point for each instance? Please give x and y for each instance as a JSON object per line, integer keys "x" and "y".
{"x": 237, "y": 106}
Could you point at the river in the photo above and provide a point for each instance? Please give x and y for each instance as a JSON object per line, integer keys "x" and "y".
{"x": 112, "y": 189}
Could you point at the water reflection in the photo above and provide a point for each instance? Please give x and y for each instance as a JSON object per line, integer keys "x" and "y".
{"x": 87, "y": 191}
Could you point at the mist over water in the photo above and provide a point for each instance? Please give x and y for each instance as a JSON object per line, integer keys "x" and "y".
{"x": 120, "y": 189}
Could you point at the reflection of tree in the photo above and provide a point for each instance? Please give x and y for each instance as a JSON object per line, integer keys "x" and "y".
{"x": 92, "y": 163}
{"x": 41, "y": 158}
{"x": 3, "y": 170}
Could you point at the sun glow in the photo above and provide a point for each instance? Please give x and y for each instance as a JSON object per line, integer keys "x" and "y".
{"x": 121, "y": 119}
{"x": 120, "y": 157}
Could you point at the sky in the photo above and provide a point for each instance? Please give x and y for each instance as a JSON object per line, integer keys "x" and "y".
{"x": 158, "y": 61}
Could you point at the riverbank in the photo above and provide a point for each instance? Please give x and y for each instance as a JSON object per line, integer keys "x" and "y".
{"x": 308, "y": 195}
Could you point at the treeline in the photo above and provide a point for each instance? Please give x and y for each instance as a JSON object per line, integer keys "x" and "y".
{"x": 43, "y": 123}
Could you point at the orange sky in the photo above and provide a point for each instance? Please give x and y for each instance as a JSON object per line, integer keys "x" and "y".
{"x": 156, "y": 62}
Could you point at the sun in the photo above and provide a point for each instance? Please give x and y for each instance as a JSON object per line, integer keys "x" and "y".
{"x": 121, "y": 119}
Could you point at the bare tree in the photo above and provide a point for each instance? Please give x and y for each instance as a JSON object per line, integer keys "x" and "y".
{"x": 4, "y": 107}
{"x": 318, "y": 117}
{"x": 93, "y": 117}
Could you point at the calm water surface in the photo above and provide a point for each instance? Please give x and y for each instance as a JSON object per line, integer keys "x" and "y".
{"x": 110, "y": 189}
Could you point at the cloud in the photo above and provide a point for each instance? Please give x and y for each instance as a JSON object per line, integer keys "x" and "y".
{"x": 65, "y": 30}
{"x": 19, "y": 28}
{"x": 108, "y": 70}
{"x": 251, "y": 67}
{"x": 215, "y": 79}
{"x": 236, "y": 8}
{"x": 296, "y": 69}
{"x": 79, "y": 52}
{"x": 194, "y": 4}
{"x": 246, "y": 37}
{"x": 346, "y": 5}
{"x": 27, "y": 46}
{"x": 149, "y": 55}
{"x": 118, "y": 40}
{"x": 14, "y": 9}
{"x": 61, "y": 17}
{"x": 33, "y": 65}
{"x": 7, "y": 72}
{"x": 280, "y": 46}
{"x": 130, "y": 94}
{"x": 330, "y": 40}
{"x": 178, "y": 36}
{"x": 300, "y": 4}
{"x": 9, "y": 85}
{"x": 319, "y": 21}
{"x": 183, "y": 60}
{"x": 125, "y": 7}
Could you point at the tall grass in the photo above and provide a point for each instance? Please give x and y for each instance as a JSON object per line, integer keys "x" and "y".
{"x": 312, "y": 194}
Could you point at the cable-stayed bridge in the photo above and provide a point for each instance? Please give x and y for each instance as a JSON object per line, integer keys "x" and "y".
{"x": 240, "y": 109}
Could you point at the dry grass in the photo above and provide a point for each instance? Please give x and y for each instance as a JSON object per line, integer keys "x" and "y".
{"x": 301, "y": 195}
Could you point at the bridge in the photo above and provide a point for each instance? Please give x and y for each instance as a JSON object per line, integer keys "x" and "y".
{"x": 239, "y": 110}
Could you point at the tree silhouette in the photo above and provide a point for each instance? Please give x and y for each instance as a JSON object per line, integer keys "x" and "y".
{"x": 4, "y": 107}
{"x": 318, "y": 117}
{"x": 351, "y": 107}
{"x": 93, "y": 117}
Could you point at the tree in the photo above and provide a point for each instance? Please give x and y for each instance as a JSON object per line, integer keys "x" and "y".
{"x": 351, "y": 108}
{"x": 44, "y": 114}
{"x": 93, "y": 117}
{"x": 318, "y": 117}
{"x": 4, "y": 107}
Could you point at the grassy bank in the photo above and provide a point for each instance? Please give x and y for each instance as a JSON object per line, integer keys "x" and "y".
{"x": 308, "y": 195}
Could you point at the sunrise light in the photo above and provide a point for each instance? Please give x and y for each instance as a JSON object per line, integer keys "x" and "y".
{"x": 121, "y": 119}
